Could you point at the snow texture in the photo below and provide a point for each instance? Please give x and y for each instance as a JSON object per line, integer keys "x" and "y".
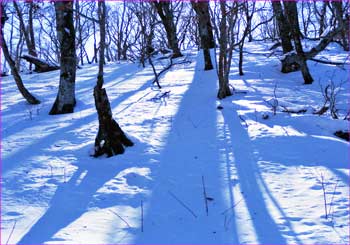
{"x": 262, "y": 178}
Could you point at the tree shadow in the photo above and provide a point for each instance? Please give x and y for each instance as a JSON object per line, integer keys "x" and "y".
{"x": 79, "y": 194}
{"x": 176, "y": 211}
{"x": 267, "y": 231}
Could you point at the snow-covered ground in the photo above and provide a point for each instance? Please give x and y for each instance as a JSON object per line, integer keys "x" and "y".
{"x": 197, "y": 174}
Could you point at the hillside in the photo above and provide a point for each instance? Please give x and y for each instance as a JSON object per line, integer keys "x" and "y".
{"x": 198, "y": 173}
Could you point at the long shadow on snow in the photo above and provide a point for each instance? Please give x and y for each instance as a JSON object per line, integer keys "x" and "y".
{"x": 265, "y": 227}
{"x": 26, "y": 152}
{"x": 109, "y": 78}
{"x": 190, "y": 152}
{"x": 74, "y": 198}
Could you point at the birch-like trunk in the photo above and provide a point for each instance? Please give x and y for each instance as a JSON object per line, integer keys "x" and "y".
{"x": 65, "y": 100}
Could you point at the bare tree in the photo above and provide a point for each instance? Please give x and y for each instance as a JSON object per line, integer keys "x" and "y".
{"x": 205, "y": 30}
{"x": 26, "y": 94}
{"x": 343, "y": 23}
{"x": 110, "y": 138}
{"x": 224, "y": 33}
{"x": 166, "y": 15}
{"x": 284, "y": 33}
{"x": 27, "y": 32}
{"x": 65, "y": 100}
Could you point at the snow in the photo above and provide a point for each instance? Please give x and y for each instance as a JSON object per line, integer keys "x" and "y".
{"x": 262, "y": 177}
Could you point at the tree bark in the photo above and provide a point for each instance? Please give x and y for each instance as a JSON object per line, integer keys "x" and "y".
{"x": 338, "y": 7}
{"x": 166, "y": 15}
{"x": 284, "y": 30}
{"x": 292, "y": 13}
{"x": 22, "y": 89}
{"x": 205, "y": 31}
{"x": 110, "y": 139}
{"x": 224, "y": 89}
{"x": 65, "y": 100}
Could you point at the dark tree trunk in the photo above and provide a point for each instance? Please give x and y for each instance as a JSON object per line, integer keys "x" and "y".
{"x": 224, "y": 89}
{"x": 284, "y": 33}
{"x": 166, "y": 15}
{"x": 65, "y": 100}
{"x": 204, "y": 24}
{"x": 207, "y": 60}
{"x": 205, "y": 31}
{"x": 22, "y": 89}
{"x": 292, "y": 13}
{"x": 338, "y": 7}
{"x": 110, "y": 139}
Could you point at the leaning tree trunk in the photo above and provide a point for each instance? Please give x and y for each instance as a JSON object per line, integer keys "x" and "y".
{"x": 224, "y": 88}
{"x": 205, "y": 31}
{"x": 65, "y": 100}
{"x": 28, "y": 33}
{"x": 110, "y": 139}
{"x": 166, "y": 15}
{"x": 292, "y": 13}
{"x": 22, "y": 89}
{"x": 284, "y": 33}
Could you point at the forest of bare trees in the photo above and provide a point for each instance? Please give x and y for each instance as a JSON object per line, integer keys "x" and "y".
{"x": 43, "y": 36}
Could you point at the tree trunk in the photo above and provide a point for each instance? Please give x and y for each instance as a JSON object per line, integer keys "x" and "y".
{"x": 166, "y": 15}
{"x": 204, "y": 24}
{"x": 338, "y": 7}
{"x": 28, "y": 34}
{"x": 292, "y": 13}
{"x": 110, "y": 139}
{"x": 207, "y": 60}
{"x": 26, "y": 94}
{"x": 284, "y": 30}
{"x": 205, "y": 31}
{"x": 65, "y": 100}
{"x": 224, "y": 89}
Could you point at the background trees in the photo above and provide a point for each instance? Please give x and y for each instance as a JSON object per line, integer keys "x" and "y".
{"x": 65, "y": 34}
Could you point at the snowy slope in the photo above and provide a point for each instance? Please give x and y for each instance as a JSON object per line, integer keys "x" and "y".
{"x": 195, "y": 175}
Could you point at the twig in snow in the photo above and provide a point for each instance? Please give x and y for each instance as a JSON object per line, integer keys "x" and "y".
{"x": 182, "y": 203}
{"x": 324, "y": 195}
{"x": 13, "y": 228}
{"x": 141, "y": 216}
{"x": 120, "y": 218}
{"x": 205, "y": 197}
{"x": 331, "y": 203}
{"x": 234, "y": 205}
{"x": 243, "y": 120}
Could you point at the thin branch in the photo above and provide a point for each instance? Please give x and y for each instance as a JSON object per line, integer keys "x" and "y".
{"x": 182, "y": 203}
{"x": 120, "y": 218}
{"x": 205, "y": 197}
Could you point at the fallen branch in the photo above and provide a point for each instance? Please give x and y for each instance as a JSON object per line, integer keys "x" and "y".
{"x": 330, "y": 62}
{"x": 120, "y": 218}
{"x": 40, "y": 65}
{"x": 182, "y": 203}
{"x": 157, "y": 75}
{"x": 292, "y": 111}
